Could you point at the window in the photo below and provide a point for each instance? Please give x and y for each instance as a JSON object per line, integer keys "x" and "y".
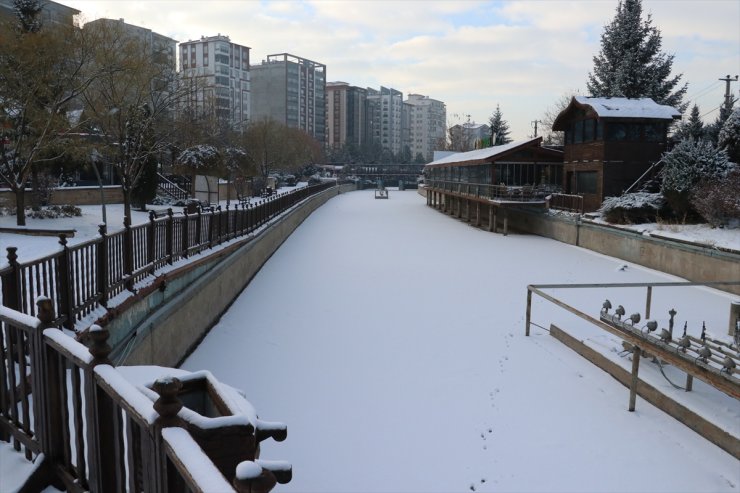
{"x": 586, "y": 181}
{"x": 578, "y": 132}
{"x": 588, "y": 130}
{"x": 616, "y": 131}
{"x": 655, "y": 132}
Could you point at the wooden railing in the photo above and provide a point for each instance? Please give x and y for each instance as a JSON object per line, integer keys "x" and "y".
{"x": 98, "y": 432}
{"x": 80, "y": 278}
{"x": 527, "y": 193}
{"x": 571, "y": 203}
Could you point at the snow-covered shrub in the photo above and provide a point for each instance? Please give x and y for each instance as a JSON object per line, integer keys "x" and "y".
{"x": 729, "y": 136}
{"x": 718, "y": 201}
{"x": 685, "y": 167}
{"x": 200, "y": 157}
{"x": 54, "y": 212}
{"x": 633, "y": 208}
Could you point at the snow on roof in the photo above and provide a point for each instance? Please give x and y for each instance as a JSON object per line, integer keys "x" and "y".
{"x": 629, "y": 108}
{"x": 481, "y": 154}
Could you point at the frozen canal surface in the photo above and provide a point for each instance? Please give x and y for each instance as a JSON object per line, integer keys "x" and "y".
{"x": 390, "y": 338}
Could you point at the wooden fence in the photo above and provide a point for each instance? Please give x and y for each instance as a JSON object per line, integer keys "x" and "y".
{"x": 80, "y": 278}
{"x": 98, "y": 432}
{"x": 564, "y": 202}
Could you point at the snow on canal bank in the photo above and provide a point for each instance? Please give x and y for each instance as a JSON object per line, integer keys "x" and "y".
{"x": 390, "y": 339}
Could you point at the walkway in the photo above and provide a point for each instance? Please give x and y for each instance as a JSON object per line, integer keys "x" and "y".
{"x": 389, "y": 338}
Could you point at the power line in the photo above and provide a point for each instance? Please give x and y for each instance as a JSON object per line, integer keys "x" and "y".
{"x": 704, "y": 91}
{"x": 710, "y": 111}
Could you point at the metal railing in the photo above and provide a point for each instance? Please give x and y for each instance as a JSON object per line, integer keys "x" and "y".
{"x": 80, "y": 278}
{"x": 97, "y": 431}
{"x": 502, "y": 193}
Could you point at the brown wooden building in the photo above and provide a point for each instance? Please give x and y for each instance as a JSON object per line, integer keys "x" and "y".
{"x": 610, "y": 143}
{"x": 479, "y": 186}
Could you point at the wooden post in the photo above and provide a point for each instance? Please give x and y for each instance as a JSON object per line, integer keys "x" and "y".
{"x": 184, "y": 241}
{"x": 100, "y": 414}
{"x": 198, "y": 223}
{"x": 477, "y": 214}
{"x": 648, "y": 302}
{"x": 490, "y": 217}
{"x": 170, "y": 234}
{"x": 495, "y": 220}
{"x": 64, "y": 278}
{"x": 529, "y": 312}
{"x": 151, "y": 241}
{"x": 128, "y": 253}
{"x": 467, "y": 210}
{"x": 46, "y": 391}
{"x": 11, "y": 281}
{"x": 167, "y": 406}
{"x": 636, "y": 351}
{"x": 689, "y": 382}
{"x": 218, "y": 224}
{"x": 506, "y": 222}
{"x": 102, "y": 270}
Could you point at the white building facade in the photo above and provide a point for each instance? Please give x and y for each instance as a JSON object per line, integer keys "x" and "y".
{"x": 425, "y": 125}
{"x": 218, "y": 71}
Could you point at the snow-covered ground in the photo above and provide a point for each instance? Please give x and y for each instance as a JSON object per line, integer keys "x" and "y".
{"x": 85, "y": 227}
{"x": 390, "y": 339}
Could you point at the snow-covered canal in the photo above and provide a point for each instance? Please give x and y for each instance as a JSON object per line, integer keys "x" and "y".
{"x": 390, "y": 339}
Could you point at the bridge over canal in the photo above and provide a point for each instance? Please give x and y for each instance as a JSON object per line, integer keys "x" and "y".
{"x": 390, "y": 338}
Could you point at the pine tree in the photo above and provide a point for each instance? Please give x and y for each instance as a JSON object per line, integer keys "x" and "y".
{"x": 729, "y": 136}
{"x": 688, "y": 165}
{"x": 28, "y": 14}
{"x": 499, "y": 127}
{"x": 693, "y": 128}
{"x": 630, "y": 63}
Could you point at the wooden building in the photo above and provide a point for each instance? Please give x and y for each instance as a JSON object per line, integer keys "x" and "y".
{"x": 480, "y": 185}
{"x": 610, "y": 143}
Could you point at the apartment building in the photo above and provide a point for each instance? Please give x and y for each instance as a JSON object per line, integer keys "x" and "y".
{"x": 425, "y": 122}
{"x": 51, "y": 12}
{"x": 346, "y": 110}
{"x": 218, "y": 71}
{"x": 291, "y": 90}
{"x": 384, "y": 117}
{"x": 160, "y": 47}
{"x": 468, "y": 136}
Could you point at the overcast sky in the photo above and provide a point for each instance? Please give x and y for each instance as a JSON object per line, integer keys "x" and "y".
{"x": 522, "y": 55}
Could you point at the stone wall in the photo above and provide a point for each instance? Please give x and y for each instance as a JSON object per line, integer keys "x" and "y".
{"x": 71, "y": 195}
{"x": 161, "y": 326}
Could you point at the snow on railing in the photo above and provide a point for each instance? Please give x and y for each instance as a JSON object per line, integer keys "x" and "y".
{"x": 98, "y": 432}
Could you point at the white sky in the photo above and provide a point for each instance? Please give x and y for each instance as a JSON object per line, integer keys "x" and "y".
{"x": 470, "y": 54}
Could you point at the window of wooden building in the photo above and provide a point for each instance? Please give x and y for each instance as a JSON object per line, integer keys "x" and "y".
{"x": 586, "y": 182}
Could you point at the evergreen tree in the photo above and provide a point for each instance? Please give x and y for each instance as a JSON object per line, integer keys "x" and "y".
{"x": 729, "y": 136}
{"x": 693, "y": 128}
{"x": 712, "y": 130}
{"x": 630, "y": 63}
{"x": 28, "y": 14}
{"x": 688, "y": 165}
{"x": 499, "y": 127}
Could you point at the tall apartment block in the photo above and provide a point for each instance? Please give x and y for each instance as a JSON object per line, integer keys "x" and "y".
{"x": 291, "y": 90}
{"x": 51, "y": 12}
{"x": 425, "y": 122}
{"x": 218, "y": 71}
{"x": 346, "y": 114}
{"x": 384, "y": 112}
{"x": 160, "y": 47}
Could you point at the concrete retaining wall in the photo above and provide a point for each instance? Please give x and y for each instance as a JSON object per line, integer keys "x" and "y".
{"x": 72, "y": 195}
{"x": 161, "y": 326}
{"x": 693, "y": 262}
{"x": 705, "y": 428}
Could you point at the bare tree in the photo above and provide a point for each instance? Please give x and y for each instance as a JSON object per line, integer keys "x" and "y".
{"x": 549, "y": 135}
{"x": 130, "y": 108}
{"x": 43, "y": 69}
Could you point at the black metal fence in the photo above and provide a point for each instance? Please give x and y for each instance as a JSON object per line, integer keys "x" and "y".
{"x": 80, "y": 278}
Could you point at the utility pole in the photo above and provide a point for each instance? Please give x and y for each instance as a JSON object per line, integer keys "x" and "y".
{"x": 728, "y": 95}
{"x": 535, "y": 122}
